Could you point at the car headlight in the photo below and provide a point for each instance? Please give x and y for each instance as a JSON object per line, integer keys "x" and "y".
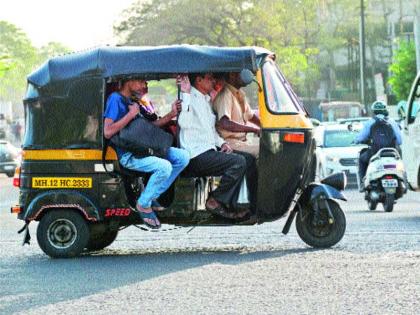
{"x": 333, "y": 159}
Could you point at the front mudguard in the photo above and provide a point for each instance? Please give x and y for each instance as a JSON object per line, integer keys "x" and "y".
{"x": 312, "y": 193}
{"x": 60, "y": 199}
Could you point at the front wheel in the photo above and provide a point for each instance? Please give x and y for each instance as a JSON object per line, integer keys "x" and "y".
{"x": 372, "y": 205}
{"x": 62, "y": 233}
{"x": 322, "y": 235}
{"x": 389, "y": 202}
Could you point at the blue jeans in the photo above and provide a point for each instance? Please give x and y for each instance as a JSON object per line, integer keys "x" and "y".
{"x": 164, "y": 172}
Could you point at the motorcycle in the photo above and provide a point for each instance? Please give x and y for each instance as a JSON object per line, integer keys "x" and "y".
{"x": 385, "y": 179}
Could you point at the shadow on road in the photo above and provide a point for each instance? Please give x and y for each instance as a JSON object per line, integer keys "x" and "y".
{"x": 70, "y": 279}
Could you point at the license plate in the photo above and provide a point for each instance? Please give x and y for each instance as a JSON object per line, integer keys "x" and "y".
{"x": 61, "y": 182}
{"x": 9, "y": 167}
{"x": 389, "y": 183}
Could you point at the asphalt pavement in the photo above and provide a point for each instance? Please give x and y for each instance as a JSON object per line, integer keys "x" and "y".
{"x": 375, "y": 269}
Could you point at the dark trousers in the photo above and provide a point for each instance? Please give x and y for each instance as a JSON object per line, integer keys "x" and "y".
{"x": 251, "y": 178}
{"x": 231, "y": 167}
{"x": 364, "y": 163}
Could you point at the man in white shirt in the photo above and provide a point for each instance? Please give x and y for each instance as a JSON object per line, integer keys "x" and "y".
{"x": 210, "y": 154}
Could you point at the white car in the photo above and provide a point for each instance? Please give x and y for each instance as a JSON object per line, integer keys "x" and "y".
{"x": 9, "y": 158}
{"x": 411, "y": 136}
{"x": 335, "y": 150}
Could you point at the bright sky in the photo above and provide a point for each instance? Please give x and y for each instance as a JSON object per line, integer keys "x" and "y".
{"x": 77, "y": 24}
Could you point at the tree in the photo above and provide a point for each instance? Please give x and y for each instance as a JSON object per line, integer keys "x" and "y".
{"x": 403, "y": 70}
{"x": 19, "y": 58}
{"x": 5, "y": 64}
{"x": 15, "y": 44}
{"x": 287, "y": 27}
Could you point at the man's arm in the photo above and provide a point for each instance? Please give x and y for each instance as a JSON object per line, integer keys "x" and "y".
{"x": 364, "y": 133}
{"x": 397, "y": 132}
{"x": 255, "y": 120}
{"x": 112, "y": 127}
{"x": 176, "y": 108}
{"x": 229, "y": 125}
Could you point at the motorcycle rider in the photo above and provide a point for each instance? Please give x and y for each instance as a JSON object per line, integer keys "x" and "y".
{"x": 380, "y": 131}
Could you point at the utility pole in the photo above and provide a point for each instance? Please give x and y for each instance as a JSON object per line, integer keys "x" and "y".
{"x": 362, "y": 54}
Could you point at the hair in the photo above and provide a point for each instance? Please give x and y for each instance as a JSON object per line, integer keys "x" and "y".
{"x": 193, "y": 76}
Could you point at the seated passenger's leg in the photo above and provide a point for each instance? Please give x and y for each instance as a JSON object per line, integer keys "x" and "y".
{"x": 252, "y": 148}
{"x": 161, "y": 170}
{"x": 179, "y": 159}
{"x": 231, "y": 167}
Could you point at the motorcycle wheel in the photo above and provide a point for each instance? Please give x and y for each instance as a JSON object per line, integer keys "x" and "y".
{"x": 372, "y": 205}
{"x": 389, "y": 202}
{"x": 325, "y": 235}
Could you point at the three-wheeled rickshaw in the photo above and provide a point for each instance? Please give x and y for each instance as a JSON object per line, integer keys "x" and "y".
{"x": 82, "y": 197}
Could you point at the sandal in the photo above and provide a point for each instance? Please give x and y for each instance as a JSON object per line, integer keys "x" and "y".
{"x": 148, "y": 216}
{"x": 223, "y": 212}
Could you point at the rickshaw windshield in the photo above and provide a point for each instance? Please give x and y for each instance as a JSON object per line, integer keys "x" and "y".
{"x": 279, "y": 96}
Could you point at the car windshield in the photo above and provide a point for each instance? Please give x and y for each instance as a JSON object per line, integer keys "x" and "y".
{"x": 339, "y": 138}
{"x": 6, "y": 148}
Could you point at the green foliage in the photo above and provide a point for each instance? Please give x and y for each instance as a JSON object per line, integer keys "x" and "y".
{"x": 5, "y": 65}
{"x": 287, "y": 27}
{"x": 18, "y": 59}
{"x": 403, "y": 70}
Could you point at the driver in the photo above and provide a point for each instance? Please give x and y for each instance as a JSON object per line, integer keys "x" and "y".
{"x": 382, "y": 132}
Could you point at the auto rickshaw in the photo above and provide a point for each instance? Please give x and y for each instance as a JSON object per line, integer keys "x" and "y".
{"x": 82, "y": 197}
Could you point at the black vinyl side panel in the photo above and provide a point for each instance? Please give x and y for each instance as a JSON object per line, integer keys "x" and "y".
{"x": 283, "y": 168}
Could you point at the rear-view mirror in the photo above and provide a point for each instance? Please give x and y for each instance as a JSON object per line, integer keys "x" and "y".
{"x": 247, "y": 76}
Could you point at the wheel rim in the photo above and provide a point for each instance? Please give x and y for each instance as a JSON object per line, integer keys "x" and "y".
{"x": 62, "y": 233}
{"x": 320, "y": 230}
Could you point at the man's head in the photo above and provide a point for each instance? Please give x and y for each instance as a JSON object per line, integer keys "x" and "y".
{"x": 234, "y": 79}
{"x": 379, "y": 107}
{"x": 204, "y": 82}
{"x": 239, "y": 79}
{"x": 134, "y": 85}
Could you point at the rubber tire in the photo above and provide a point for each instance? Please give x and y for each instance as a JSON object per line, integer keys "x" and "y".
{"x": 372, "y": 205}
{"x": 304, "y": 228}
{"x": 10, "y": 174}
{"x": 389, "y": 202}
{"x": 101, "y": 240}
{"x": 80, "y": 224}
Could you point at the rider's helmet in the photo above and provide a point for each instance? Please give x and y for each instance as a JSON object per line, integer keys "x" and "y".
{"x": 379, "y": 107}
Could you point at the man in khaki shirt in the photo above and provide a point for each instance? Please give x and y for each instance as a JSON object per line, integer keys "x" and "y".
{"x": 235, "y": 115}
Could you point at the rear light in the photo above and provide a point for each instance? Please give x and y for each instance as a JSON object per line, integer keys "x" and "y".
{"x": 389, "y": 177}
{"x": 16, "y": 209}
{"x": 294, "y": 137}
{"x": 16, "y": 177}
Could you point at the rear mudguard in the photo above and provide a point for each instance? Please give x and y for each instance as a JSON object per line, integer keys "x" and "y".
{"x": 312, "y": 192}
{"x": 61, "y": 199}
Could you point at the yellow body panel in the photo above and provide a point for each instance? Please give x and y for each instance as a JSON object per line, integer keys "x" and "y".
{"x": 79, "y": 154}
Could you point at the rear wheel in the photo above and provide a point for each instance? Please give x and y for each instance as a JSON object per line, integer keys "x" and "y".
{"x": 389, "y": 202}
{"x": 10, "y": 174}
{"x": 325, "y": 234}
{"x": 62, "y": 233}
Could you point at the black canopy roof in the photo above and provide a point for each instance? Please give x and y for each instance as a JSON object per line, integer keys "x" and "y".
{"x": 120, "y": 61}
